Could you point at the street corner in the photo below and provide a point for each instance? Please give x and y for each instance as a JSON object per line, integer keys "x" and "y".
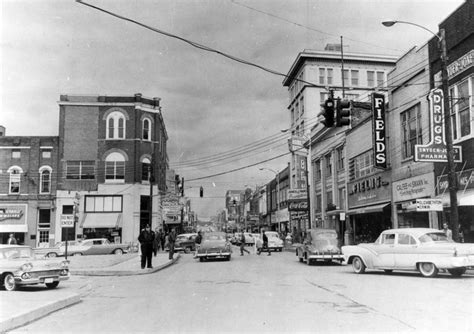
{"x": 25, "y": 306}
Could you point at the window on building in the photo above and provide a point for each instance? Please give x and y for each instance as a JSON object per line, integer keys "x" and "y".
{"x": 45, "y": 180}
{"x": 16, "y": 154}
{"x": 146, "y": 134}
{"x": 317, "y": 170}
{"x": 328, "y": 165}
{"x": 410, "y": 121}
{"x": 364, "y": 164}
{"x": 370, "y": 78}
{"x": 115, "y": 125}
{"x": 322, "y": 76}
{"x": 146, "y": 165}
{"x": 355, "y": 78}
{"x": 330, "y": 76}
{"x": 104, "y": 203}
{"x": 15, "y": 179}
{"x": 380, "y": 79}
{"x": 345, "y": 76}
{"x": 462, "y": 108}
{"x": 115, "y": 167}
{"x": 340, "y": 158}
{"x": 318, "y": 203}
{"x": 342, "y": 198}
{"x": 80, "y": 170}
{"x": 44, "y": 226}
{"x": 46, "y": 154}
{"x": 329, "y": 198}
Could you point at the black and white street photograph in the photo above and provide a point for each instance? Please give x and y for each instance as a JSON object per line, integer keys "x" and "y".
{"x": 236, "y": 166}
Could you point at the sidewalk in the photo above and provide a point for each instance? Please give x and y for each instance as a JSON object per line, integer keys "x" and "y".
{"x": 17, "y": 308}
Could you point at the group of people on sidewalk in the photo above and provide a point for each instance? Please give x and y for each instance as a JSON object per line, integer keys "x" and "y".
{"x": 151, "y": 243}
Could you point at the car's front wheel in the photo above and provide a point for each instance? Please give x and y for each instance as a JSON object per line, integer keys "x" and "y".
{"x": 9, "y": 282}
{"x": 358, "y": 265}
{"x": 118, "y": 251}
{"x": 428, "y": 269}
{"x": 457, "y": 272}
{"x": 52, "y": 285}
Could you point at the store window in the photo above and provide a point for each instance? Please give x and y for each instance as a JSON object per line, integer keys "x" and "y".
{"x": 340, "y": 158}
{"x": 411, "y": 135}
{"x": 103, "y": 203}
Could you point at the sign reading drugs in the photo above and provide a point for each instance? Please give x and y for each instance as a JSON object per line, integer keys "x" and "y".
{"x": 435, "y": 150}
{"x": 378, "y": 123}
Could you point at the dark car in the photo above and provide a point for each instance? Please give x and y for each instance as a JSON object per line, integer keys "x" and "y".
{"x": 185, "y": 242}
{"x": 214, "y": 245}
{"x": 320, "y": 245}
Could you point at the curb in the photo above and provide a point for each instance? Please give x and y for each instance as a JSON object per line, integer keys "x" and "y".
{"x": 100, "y": 272}
{"x": 29, "y": 316}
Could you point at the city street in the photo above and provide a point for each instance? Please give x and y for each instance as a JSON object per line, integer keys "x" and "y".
{"x": 254, "y": 293}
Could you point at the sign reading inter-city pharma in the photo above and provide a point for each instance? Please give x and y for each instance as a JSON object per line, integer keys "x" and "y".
{"x": 378, "y": 124}
{"x": 435, "y": 150}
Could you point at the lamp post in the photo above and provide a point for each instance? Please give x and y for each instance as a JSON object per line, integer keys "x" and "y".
{"x": 454, "y": 215}
{"x": 277, "y": 176}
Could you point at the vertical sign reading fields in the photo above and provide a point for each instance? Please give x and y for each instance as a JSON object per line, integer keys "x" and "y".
{"x": 378, "y": 123}
{"x": 435, "y": 150}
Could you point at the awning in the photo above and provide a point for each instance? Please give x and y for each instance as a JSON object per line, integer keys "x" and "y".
{"x": 334, "y": 212}
{"x": 368, "y": 209}
{"x": 6, "y": 228}
{"x": 101, "y": 220}
{"x": 465, "y": 198}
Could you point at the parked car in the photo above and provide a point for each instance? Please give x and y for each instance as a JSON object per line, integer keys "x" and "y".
{"x": 412, "y": 249}
{"x": 214, "y": 245}
{"x": 185, "y": 242}
{"x": 320, "y": 245}
{"x": 20, "y": 266}
{"x": 59, "y": 249}
{"x": 98, "y": 246}
{"x": 274, "y": 241}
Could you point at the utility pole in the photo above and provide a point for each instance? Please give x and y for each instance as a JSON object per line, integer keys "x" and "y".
{"x": 151, "y": 179}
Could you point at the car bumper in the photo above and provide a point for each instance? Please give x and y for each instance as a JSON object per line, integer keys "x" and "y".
{"x": 214, "y": 254}
{"x": 336, "y": 257}
{"x": 29, "y": 278}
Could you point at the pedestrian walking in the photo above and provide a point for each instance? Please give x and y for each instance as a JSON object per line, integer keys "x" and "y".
{"x": 146, "y": 239}
{"x": 197, "y": 242}
{"x": 162, "y": 239}
{"x": 242, "y": 245}
{"x": 12, "y": 239}
{"x": 447, "y": 231}
{"x": 265, "y": 244}
{"x": 156, "y": 242}
{"x": 171, "y": 240}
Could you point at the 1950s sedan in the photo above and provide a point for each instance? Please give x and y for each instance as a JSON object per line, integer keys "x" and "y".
{"x": 98, "y": 246}
{"x": 214, "y": 245}
{"x": 20, "y": 266}
{"x": 423, "y": 249}
{"x": 320, "y": 245}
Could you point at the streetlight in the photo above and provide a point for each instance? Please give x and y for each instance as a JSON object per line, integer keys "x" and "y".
{"x": 454, "y": 215}
{"x": 277, "y": 176}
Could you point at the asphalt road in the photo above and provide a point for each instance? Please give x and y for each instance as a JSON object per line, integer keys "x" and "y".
{"x": 275, "y": 293}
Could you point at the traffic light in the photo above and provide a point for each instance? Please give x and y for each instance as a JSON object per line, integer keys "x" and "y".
{"x": 328, "y": 113}
{"x": 201, "y": 192}
{"x": 343, "y": 113}
{"x": 182, "y": 186}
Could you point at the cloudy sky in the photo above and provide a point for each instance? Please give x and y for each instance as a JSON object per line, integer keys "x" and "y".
{"x": 221, "y": 115}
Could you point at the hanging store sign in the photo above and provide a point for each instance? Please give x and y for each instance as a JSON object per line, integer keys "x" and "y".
{"x": 297, "y": 194}
{"x": 299, "y": 205}
{"x": 429, "y": 204}
{"x": 67, "y": 220}
{"x": 435, "y": 150}
{"x": 378, "y": 124}
{"x": 465, "y": 181}
{"x": 413, "y": 187}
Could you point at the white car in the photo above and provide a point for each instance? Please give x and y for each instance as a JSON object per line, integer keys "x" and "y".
{"x": 274, "y": 241}
{"x": 423, "y": 249}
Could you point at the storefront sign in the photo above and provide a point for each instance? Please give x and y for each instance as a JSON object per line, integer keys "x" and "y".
{"x": 435, "y": 150}
{"x": 11, "y": 213}
{"x": 300, "y": 205}
{"x": 461, "y": 64}
{"x": 413, "y": 187}
{"x": 369, "y": 191}
{"x": 378, "y": 123}
{"x": 429, "y": 204}
{"x": 297, "y": 194}
{"x": 465, "y": 181}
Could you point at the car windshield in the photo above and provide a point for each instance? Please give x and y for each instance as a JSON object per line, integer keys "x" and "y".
{"x": 326, "y": 235}
{"x": 434, "y": 237}
{"x": 16, "y": 253}
{"x": 214, "y": 237}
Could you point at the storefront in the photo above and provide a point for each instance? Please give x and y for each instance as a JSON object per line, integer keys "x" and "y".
{"x": 13, "y": 219}
{"x": 369, "y": 210}
{"x": 413, "y": 202}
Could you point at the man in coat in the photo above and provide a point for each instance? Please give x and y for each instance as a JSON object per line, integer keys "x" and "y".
{"x": 171, "y": 240}
{"x": 146, "y": 239}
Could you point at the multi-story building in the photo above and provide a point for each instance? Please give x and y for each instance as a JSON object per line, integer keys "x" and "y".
{"x": 313, "y": 77}
{"x": 112, "y": 166}
{"x": 28, "y": 169}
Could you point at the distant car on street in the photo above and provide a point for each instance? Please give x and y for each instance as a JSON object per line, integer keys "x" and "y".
{"x": 320, "y": 245}
{"x": 19, "y": 265}
{"x": 274, "y": 241}
{"x": 185, "y": 242}
{"x": 214, "y": 245}
{"x": 98, "y": 246}
{"x": 412, "y": 249}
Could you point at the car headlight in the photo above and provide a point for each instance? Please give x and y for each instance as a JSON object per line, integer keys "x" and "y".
{"x": 64, "y": 264}
{"x": 26, "y": 267}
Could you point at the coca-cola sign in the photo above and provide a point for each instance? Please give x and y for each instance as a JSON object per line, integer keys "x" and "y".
{"x": 301, "y": 205}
